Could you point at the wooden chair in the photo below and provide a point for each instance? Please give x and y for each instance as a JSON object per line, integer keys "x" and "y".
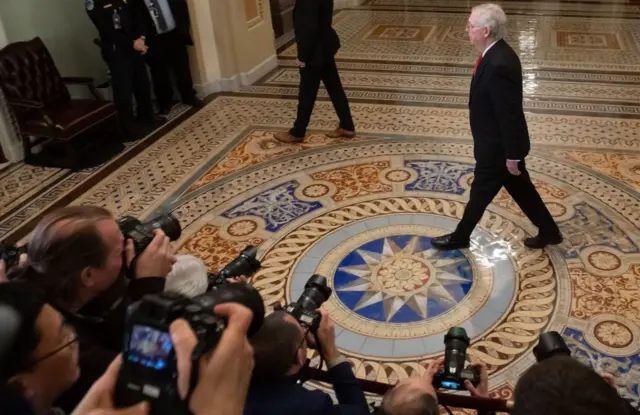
{"x": 40, "y": 100}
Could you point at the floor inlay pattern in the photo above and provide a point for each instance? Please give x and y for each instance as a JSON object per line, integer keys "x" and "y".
{"x": 362, "y": 211}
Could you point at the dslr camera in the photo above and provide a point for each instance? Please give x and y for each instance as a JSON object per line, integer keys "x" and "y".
{"x": 550, "y": 344}
{"x": 149, "y": 367}
{"x": 244, "y": 264}
{"x": 142, "y": 233}
{"x": 453, "y": 374}
{"x": 10, "y": 254}
{"x": 305, "y": 310}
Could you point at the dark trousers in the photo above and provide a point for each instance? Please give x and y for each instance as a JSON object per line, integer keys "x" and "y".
{"x": 168, "y": 56}
{"x": 487, "y": 182}
{"x": 129, "y": 79}
{"x": 310, "y": 78}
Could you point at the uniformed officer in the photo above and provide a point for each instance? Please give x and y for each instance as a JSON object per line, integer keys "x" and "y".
{"x": 168, "y": 35}
{"x": 121, "y": 30}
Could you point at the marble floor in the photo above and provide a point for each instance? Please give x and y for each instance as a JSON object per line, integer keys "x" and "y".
{"x": 362, "y": 211}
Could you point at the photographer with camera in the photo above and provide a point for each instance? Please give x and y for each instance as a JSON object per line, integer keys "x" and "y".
{"x": 280, "y": 350}
{"x": 222, "y": 378}
{"x": 38, "y": 351}
{"x": 79, "y": 257}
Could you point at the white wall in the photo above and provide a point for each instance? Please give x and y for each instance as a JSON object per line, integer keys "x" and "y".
{"x": 65, "y": 28}
{"x": 68, "y": 33}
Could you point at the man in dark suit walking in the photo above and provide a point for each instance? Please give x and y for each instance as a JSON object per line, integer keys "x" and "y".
{"x": 500, "y": 134}
{"x": 317, "y": 45}
{"x": 168, "y": 35}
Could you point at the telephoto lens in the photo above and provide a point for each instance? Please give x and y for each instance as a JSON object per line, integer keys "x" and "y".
{"x": 244, "y": 264}
{"x": 316, "y": 292}
{"x": 142, "y": 233}
{"x": 453, "y": 373}
{"x": 550, "y": 344}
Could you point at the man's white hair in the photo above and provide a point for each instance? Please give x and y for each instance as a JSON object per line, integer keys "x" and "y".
{"x": 492, "y": 17}
{"x": 187, "y": 277}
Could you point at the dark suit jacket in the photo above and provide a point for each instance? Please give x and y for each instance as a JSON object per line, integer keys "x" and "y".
{"x": 317, "y": 41}
{"x": 496, "y": 115}
{"x": 101, "y": 13}
{"x": 180, "y": 11}
{"x": 286, "y": 397}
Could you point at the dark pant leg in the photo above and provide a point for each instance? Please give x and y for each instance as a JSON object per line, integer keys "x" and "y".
{"x": 331, "y": 80}
{"x": 309, "y": 85}
{"x": 181, "y": 68}
{"x": 527, "y": 197}
{"x": 141, "y": 88}
{"x": 487, "y": 182}
{"x": 160, "y": 68}
{"x": 121, "y": 69}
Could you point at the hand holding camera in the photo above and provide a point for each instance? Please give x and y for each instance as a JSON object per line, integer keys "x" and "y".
{"x": 157, "y": 258}
{"x": 482, "y": 389}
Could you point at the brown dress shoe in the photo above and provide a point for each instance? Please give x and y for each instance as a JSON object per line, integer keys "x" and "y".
{"x": 341, "y": 133}
{"x": 286, "y": 137}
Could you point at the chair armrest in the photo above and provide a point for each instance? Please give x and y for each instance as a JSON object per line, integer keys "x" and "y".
{"x": 79, "y": 80}
{"x": 23, "y": 103}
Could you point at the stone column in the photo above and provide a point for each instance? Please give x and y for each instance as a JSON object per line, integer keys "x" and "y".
{"x": 234, "y": 43}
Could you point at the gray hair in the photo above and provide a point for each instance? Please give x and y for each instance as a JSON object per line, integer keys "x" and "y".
{"x": 187, "y": 277}
{"x": 493, "y": 18}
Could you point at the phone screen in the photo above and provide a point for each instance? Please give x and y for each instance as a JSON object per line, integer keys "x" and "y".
{"x": 149, "y": 347}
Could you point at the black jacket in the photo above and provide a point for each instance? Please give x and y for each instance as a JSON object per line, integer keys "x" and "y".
{"x": 180, "y": 11}
{"x": 496, "y": 115}
{"x": 286, "y": 397}
{"x": 113, "y": 38}
{"x": 317, "y": 41}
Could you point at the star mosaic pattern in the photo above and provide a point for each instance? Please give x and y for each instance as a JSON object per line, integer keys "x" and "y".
{"x": 402, "y": 279}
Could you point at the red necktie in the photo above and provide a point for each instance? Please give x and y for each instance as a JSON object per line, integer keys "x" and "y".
{"x": 475, "y": 68}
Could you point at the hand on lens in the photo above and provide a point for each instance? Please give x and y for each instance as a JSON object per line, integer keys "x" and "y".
{"x": 432, "y": 368}
{"x": 156, "y": 260}
{"x": 327, "y": 337}
{"x": 225, "y": 374}
{"x": 512, "y": 166}
{"x": 241, "y": 279}
{"x": 99, "y": 399}
{"x": 482, "y": 390}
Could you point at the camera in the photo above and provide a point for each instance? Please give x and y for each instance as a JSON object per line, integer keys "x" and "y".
{"x": 316, "y": 292}
{"x": 453, "y": 374}
{"x": 10, "y": 254}
{"x": 142, "y": 233}
{"x": 244, "y": 264}
{"x": 550, "y": 344}
{"x": 149, "y": 367}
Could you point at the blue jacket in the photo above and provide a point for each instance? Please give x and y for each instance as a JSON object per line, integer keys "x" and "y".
{"x": 285, "y": 396}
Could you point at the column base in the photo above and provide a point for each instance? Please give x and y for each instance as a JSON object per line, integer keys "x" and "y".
{"x": 237, "y": 81}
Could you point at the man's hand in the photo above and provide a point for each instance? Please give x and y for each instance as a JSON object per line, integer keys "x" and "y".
{"x": 512, "y": 166}
{"x": 432, "y": 368}
{"x": 224, "y": 376}
{"x": 609, "y": 378}
{"x": 300, "y": 64}
{"x": 241, "y": 279}
{"x": 140, "y": 46}
{"x": 4, "y": 272}
{"x": 482, "y": 390}
{"x": 327, "y": 338}
{"x": 156, "y": 260}
{"x": 99, "y": 399}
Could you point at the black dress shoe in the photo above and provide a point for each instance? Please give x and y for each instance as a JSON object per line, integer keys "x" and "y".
{"x": 541, "y": 241}
{"x": 449, "y": 242}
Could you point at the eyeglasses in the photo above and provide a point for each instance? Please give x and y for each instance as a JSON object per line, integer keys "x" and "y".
{"x": 471, "y": 26}
{"x": 70, "y": 338}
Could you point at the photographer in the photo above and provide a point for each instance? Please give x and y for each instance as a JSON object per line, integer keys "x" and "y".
{"x": 38, "y": 351}
{"x": 78, "y": 256}
{"x": 280, "y": 351}
{"x": 561, "y": 385}
{"x": 223, "y": 379}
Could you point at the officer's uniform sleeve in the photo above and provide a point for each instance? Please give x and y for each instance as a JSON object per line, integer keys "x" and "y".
{"x": 101, "y": 16}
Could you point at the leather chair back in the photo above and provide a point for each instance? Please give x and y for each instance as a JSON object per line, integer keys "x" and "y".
{"x": 29, "y": 74}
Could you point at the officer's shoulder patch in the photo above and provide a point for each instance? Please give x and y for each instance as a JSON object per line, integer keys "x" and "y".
{"x": 89, "y": 4}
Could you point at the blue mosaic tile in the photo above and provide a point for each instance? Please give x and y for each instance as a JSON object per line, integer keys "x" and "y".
{"x": 438, "y": 176}
{"x": 277, "y": 206}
